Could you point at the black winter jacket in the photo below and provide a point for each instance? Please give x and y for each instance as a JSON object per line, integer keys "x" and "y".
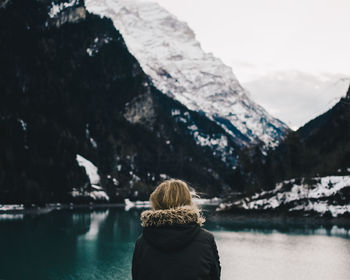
{"x": 173, "y": 246}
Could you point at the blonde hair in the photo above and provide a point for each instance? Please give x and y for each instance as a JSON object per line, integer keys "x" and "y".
{"x": 171, "y": 194}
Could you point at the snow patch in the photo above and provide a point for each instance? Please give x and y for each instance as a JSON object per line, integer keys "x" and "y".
{"x": 136, "y": 204}
{"x": 57, "y": 8}
{"x": 89, "y": 51}
{"x": 147, "y": 204}
{"x": 11, "y": 207}
{"x": 90, "y": 169}
{"x": 303, "y": 196}
{"x": 207, "y": 201}
{"x": 23, "y": 124}
{"x": 99, "y": 195}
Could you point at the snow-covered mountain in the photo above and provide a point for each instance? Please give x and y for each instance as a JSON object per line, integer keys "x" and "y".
{"x": 170, "y": 54}
{"x": 81, "y": 122}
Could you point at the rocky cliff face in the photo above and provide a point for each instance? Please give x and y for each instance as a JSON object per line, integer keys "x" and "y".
{"x": 80, "y": 120}
{"x": 170, "y": 54}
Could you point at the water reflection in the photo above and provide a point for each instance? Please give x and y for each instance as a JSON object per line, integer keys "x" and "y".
{"x": 96, "y": 218}
{"x": 98, "y": 244}
{"x": 280, "y": 256}
{"x": 11, "y": 217}
{"x": 66, "y": 244}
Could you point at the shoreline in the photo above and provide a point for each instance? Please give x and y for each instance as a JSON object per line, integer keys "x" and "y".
{"x": 20, "y": 209}
{"x": 278, "y": 220}
{"x": 127, "y": 205}
{"x": 230, "y": 218}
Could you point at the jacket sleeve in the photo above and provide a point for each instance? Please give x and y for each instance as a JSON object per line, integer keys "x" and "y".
{"x": 134, "y": 267}
{"x": 215, "y": 271}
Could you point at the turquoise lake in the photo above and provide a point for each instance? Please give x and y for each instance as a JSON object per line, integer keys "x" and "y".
{"x": 98, "y": 244}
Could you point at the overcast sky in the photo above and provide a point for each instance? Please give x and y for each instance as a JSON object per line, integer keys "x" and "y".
{"x": 290, "y": 54}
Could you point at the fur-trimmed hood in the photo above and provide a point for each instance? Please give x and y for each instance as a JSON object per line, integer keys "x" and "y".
{"x": 173, "y": 216}
{"x": 171, "y": 229}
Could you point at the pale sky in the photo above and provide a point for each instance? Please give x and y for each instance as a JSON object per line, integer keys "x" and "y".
{"x": 282, "y": 51}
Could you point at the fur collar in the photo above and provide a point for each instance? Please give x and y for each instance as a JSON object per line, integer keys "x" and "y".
{"x": 173, "y": 216}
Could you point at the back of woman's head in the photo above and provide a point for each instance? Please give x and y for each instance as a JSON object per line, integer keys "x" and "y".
{"x": 171, "y": 194}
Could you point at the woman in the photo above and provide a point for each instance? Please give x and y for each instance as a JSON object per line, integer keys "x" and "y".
{"x": 173, "y": 245}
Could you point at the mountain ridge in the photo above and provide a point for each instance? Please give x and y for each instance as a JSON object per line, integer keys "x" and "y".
{"x": 81, "y": 121}
{"x": 314, "y": 160}
{"x": 170, "y": 54}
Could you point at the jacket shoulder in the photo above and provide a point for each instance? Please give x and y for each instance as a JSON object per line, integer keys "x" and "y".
{"x": 205, "y": 235}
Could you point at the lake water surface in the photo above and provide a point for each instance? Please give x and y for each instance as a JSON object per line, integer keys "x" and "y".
{"x": 98, "y": 244}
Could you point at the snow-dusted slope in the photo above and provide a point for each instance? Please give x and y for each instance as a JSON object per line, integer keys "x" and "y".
{"x": 169, "y": 53}
{"x": 319, "y": 195}
{"x": 96, "y": 192}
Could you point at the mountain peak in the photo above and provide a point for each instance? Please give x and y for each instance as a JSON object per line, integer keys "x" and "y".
{"x": 170, "y": 54}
